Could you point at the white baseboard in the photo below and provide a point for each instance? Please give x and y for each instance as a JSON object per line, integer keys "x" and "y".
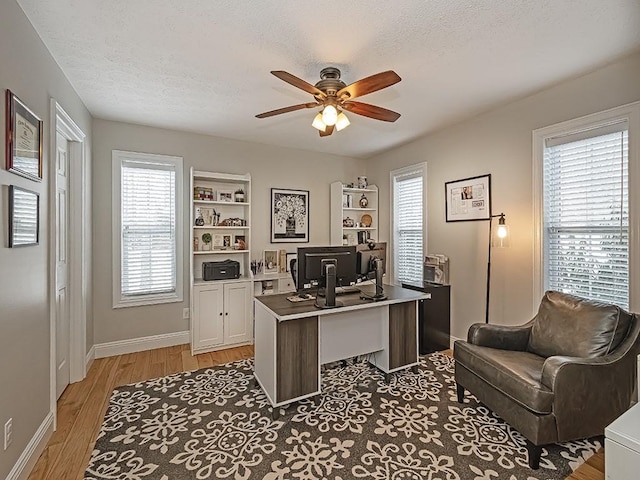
{"x": 140, "y": 344}
{"x": 33, "y": 450}
{"x": 88, "y": 360}
{"x": 452, "y": 339}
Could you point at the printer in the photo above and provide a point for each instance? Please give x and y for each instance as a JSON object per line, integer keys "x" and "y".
{"x": 224, "y": 270}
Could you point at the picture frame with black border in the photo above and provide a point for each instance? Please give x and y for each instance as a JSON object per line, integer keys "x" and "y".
{"x": 468, "y": 199}
{"x": 24, "y": 217}
{"x": 289, "y": 216}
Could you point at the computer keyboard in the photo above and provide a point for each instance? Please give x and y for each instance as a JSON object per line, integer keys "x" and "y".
{"x": 347, "y": 290}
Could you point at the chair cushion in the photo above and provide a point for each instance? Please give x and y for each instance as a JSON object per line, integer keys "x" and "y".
{"x": 576, "y": 327}
{"x": 515, "y": 374}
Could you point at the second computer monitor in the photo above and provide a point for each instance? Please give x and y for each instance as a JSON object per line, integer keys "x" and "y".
{"x": 367, "y": 253}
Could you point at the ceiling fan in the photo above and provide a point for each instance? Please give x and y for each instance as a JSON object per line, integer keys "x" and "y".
{"x": 333, "y": 96}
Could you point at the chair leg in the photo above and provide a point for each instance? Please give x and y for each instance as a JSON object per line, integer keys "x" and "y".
{"x": 460, "y": 392}
{"x": 534, "y": 452}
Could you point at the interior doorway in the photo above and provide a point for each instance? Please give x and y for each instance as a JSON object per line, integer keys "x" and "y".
{"x": 69, "y": 252}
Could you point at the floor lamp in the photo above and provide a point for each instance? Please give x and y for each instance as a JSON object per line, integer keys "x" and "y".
{"x": 499, "y": 240}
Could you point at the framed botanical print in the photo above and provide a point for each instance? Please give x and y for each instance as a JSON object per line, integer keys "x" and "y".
{"x": 24, "y": 139}
{"x": 289, "y": 216}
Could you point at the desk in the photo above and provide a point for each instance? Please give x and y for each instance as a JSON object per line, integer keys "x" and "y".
{"x": 292, "y": 340}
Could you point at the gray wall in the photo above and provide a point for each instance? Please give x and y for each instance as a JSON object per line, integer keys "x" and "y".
{"x": 269, "y": 167}
{"x": 29, "y": 71}
{"x": 500, "y": 143}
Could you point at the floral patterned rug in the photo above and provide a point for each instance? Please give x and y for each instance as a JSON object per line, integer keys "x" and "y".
{"x": 216, "y": 424}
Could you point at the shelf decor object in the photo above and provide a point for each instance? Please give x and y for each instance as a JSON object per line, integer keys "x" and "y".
{"x": 353, "y": 220}
{"x": 468, "y": 199}
{"x": 289, "y": 216}
{"x": 24, "y": 139}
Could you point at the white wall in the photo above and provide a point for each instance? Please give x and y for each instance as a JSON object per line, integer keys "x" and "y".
{"x": 499, "y": 143}
{"x": 269, "y": 167}
{"x": 29, "y": 71}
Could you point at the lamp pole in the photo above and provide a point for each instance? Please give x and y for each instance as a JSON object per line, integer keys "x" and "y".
{"x": 501, "y": 222}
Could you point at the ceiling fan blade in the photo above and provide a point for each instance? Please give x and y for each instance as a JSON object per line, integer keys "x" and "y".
{"x": 292, "y": 108}
{"x": 328, "y": 131}
{"x": 370, "y": 84}
{"x": 371, "y": 111}
{"x": 298, "y": 82}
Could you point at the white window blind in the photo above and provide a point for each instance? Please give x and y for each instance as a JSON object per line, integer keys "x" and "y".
{"x": 408, "y": 226}
{"x": 586, "y": 214}
{"x": 148, "y": 228}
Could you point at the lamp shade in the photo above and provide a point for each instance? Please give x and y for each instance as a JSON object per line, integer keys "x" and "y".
{"x": 330, "y": 115}
{"x": 500, "y": 237}
{"x": 342, "y": 122}
{"x": 318, "y": 123}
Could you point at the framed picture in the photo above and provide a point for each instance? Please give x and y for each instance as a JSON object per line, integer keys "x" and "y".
{"x": 218, "y": 241}
{"x": 289, "y": 215}
{"x": 226, "y": 242}
{"x": 225, "y": 196}
{"x": 239, "y": 242}
{"x": 24, "y": 217}
{"x": 270, "y": 261}
{"x": 290, "y": 256}
{"x": 468, "y": 199}
{"x": 24, "y": 139}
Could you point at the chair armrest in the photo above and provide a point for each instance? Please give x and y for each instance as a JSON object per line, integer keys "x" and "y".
{"x": 500, "y": 336}
{"x": 598, "y": 389}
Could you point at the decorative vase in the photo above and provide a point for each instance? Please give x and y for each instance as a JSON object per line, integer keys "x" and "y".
{"x": 291, "y": 227}
{"x": 364, "y": 201}
{"x": 239, "y": 197}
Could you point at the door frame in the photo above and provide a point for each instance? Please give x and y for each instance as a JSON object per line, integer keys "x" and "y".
{"x": 79, "y": 247}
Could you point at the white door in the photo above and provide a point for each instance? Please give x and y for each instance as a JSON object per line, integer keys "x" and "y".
{"x": 237, "y": 312}
{"x": 207, "y": 316}
{"x": 62, "y": 268}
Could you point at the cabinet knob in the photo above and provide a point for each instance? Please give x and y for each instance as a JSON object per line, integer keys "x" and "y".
{"x": 220, "y": 313}
{"x": 226, "y": 313}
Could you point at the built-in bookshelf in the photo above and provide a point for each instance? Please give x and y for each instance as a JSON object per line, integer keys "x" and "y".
{"x": 354, "y": 214}
{"x": 221, "y": 313}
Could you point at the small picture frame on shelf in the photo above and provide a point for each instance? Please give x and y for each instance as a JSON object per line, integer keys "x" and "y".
{"x": 225, "y": 196}
{"x": 226, "y": 242}
{"x": 207, "y": 215}
{"x": 218, "y": 241}
{"x": 290, "y": 256}
{"x": 239, "y": 242}
{"x": 270, "y": 261}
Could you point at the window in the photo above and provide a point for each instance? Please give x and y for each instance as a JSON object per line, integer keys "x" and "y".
{"x": 147, "y": 229}
{"x": 408, "y": 225}
{"x": 585, "y": 209}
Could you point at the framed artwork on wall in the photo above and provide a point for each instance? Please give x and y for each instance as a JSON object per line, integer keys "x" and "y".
{"x": 289, "y": 216}
{"x": 23, "y": 139}
{"x": 468, "y": 199}
{"x": 24, "y": 217}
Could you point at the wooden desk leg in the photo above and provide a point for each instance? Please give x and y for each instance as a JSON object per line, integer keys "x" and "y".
{"x": 403, "y": 348}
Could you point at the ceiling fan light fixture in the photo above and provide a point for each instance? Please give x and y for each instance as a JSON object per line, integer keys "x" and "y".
{"x": 342, "y": 121}
{"x": 330, "y": 115}
{"x": 318, "y": 123}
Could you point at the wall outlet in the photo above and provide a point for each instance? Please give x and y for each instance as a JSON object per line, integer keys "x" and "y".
{"x": 185, "y": 312}
{"x": 8, "y": 433}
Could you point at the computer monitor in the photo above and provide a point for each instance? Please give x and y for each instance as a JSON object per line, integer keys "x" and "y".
{"x": 311, "y": 261}
{"x": 367, "y": 253}
{"x": 371, "y": 263}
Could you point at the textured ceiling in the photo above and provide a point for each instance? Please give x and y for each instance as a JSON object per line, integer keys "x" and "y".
{"x": 203, "y": 65}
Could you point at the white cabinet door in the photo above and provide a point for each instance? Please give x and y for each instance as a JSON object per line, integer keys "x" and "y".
{"x": 237, "y": 314}
{"x": 208, "y": 318}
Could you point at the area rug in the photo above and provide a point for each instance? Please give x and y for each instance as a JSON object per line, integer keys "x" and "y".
{"x": 216, "y": 423}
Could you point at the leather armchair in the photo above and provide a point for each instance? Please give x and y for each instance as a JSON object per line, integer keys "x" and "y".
{"x": 564, "y": 375}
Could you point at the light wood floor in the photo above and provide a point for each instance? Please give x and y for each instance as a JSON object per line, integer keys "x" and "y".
{"x": 82, "y": 407}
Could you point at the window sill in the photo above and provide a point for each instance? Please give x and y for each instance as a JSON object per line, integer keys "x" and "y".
{"x": 140, "y": 300}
